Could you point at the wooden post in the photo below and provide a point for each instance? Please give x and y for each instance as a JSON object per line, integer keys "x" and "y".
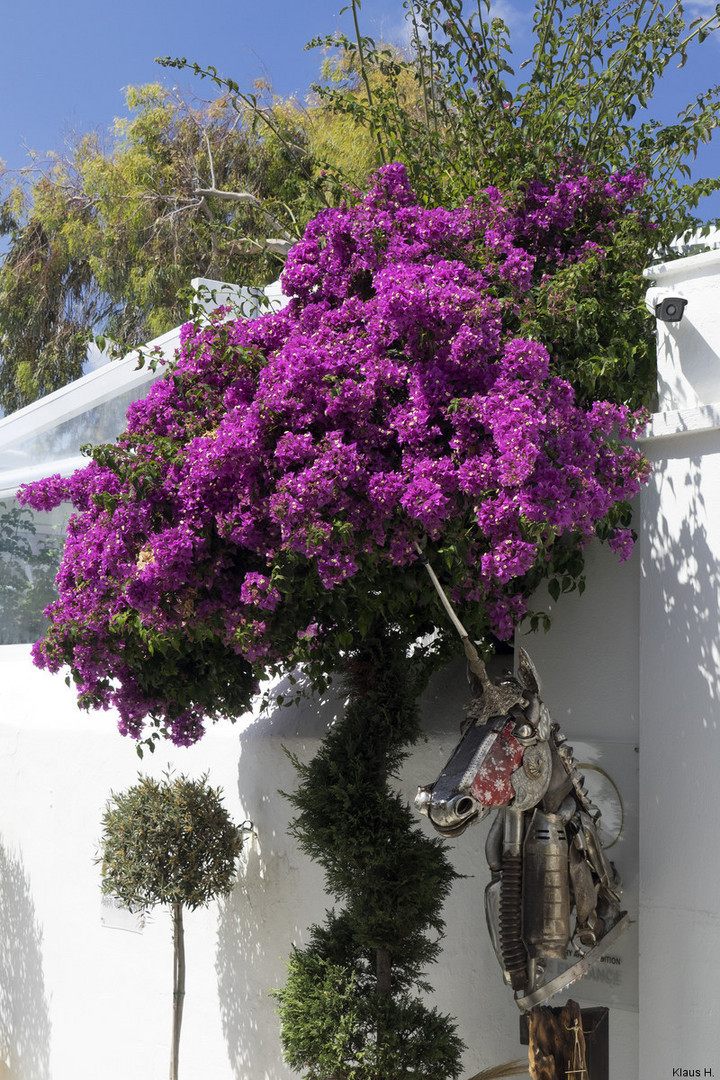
{"x": 557, "y": 1043}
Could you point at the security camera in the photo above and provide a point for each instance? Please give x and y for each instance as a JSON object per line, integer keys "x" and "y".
{"x": 670, "y": 309}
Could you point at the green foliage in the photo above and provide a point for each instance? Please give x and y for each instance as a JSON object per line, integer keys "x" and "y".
{"x": 331, "y": 1024}
{"x": 584, "y": 94}
{"x": 28, "y": 566}
{"x": 168, "y": 842}
{"x": 594, "y": 66}
{"x": 348, "y": 1008}
{"x": 106, "y": 239}
{"x": 461, "y": 118}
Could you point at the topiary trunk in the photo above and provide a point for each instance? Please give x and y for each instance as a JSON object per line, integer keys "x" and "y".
{"x": 178, "y": 986}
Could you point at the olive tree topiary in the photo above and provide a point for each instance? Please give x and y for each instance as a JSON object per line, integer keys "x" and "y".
{"x": 169, "y": 842}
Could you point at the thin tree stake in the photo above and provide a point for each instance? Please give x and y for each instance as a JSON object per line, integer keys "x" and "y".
{"x": 476, "y": 664}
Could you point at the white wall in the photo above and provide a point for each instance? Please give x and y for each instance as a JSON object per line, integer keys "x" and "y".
{"x": 80, "y": 1000}
{"x": 687, "y": 351}
{"x": 631, "y": 664}
{"x": 680, "y": 708}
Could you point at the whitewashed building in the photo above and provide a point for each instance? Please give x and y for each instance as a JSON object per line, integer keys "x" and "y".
{"x": 629, "y": 671}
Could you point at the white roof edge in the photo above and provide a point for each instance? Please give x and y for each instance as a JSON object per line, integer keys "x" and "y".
{"x": 101, "y": 385}
{"x": 12, "y": 480}
{"x": 92, "y": 389}
{"x": 118, "y": 375}
{"x": 683, "y": 266}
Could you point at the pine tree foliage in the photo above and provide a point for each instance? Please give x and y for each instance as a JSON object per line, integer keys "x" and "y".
{"x": 350, "y": 1007}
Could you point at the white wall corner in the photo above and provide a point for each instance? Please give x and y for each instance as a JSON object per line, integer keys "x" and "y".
{"x": 688, "y": 351}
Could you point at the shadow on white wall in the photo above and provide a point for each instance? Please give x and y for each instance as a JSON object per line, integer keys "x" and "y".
{"x": 24, "y": 1014}
{"x": 280, "y": 893}
{"x": 683, "y": 528}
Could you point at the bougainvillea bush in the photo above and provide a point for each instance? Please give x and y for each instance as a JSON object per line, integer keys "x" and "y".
{"x": 263, "y": 505}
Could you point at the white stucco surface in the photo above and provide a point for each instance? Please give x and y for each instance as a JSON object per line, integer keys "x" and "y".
{"x": 687, "y": 351}
{"x": 80, "y": 1000}
{"x": 630, "y": 672}
{"x": 680, "y": 747}
{"x": 678, "y": 681}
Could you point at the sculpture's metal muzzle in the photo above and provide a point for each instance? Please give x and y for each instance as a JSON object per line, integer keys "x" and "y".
{"x": 449, "y": 803}
{"x": 449, "y": 816}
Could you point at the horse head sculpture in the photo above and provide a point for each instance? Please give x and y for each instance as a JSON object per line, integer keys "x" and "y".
{"x": 543, "y": 848}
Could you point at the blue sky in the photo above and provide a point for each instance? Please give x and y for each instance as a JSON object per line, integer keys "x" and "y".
{"x": 63, "y": 66}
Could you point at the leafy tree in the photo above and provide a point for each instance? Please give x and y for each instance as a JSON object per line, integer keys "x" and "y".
{"x": 169, "y": 842}
{"x": 344, "y": 149}
{"x": 583, "y": 99}
{"x": 106, "y": 239}
{"x": 581, "y": 102}
{"x": 265, "y": 507}
{"x": 348, "y": 1009}
{"x": 593, "y": 69}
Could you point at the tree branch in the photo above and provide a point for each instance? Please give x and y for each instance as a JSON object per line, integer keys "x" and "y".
{"x": 251, "y": 200}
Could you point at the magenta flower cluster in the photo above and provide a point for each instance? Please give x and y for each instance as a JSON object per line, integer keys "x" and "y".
{"x": 269, "y": 491}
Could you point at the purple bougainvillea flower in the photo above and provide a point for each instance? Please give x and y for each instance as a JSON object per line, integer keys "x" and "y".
{"x": 263, "y": 506}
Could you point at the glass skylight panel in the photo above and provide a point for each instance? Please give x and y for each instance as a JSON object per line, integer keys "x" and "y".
{"x": 31, "y": 544}
{"x": 45, "y": 437}
{"x": 101, "y": 424}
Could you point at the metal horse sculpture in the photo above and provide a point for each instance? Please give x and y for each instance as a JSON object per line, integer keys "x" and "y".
{"x": 543, "y": 847}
